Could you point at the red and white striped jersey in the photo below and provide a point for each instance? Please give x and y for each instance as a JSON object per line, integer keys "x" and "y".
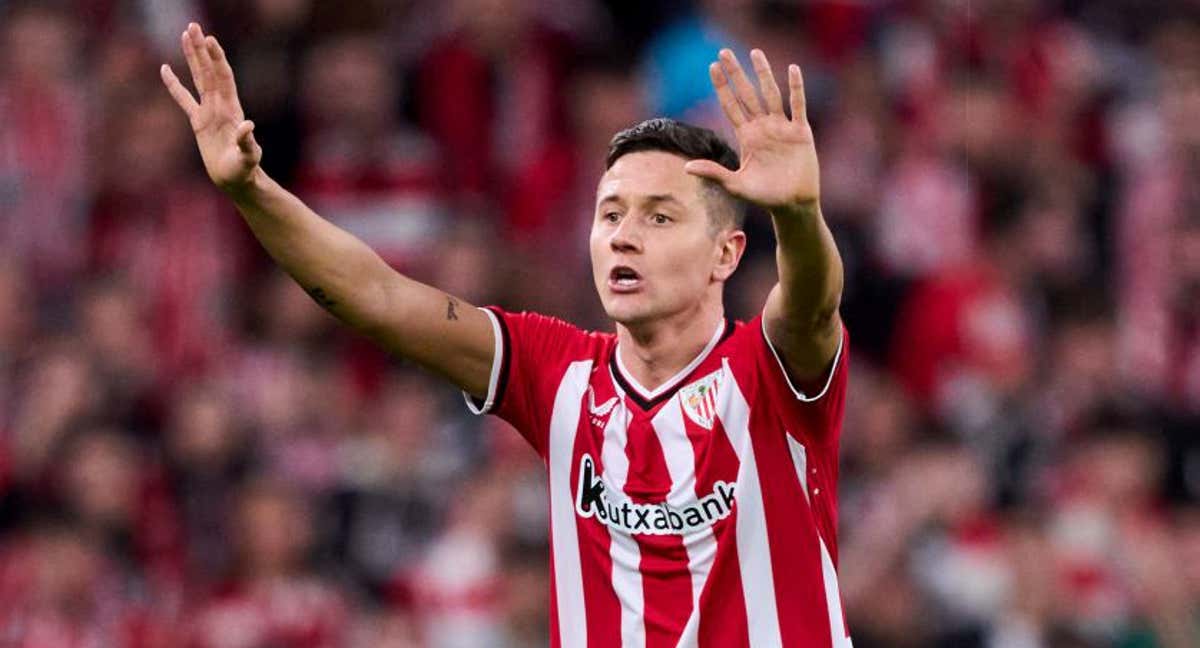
{"x": 700, "y": 513}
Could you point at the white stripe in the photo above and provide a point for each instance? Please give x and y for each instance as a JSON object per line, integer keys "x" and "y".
{"x": 623, "y": 549}
{"x": 800, "y": 461}
{"x": 828, "y": 379}
{"x": 648, "y": 394}
{"x": 568, "y": 577}
{"x": 702, "y": 551}
{"x": 736, "y": 421}
{"x": 677, "y": 450}
{"x": 701, "y": 546}
{"x": 833, "y": 600}
{"x": 754, "y": 552}
{"x": 498, "y": 352}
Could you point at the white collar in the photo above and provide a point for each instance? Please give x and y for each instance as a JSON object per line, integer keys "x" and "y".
{"x": 673, "y": 381}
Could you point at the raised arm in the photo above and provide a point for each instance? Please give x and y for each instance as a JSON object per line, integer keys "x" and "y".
{"x": 779, "y": 172}
{"x": 337, "y": 270}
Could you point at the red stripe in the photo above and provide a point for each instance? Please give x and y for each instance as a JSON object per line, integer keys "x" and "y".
{"x": 599, "y": 599}
{"x": 722, "y": 607}
{"x": 791, "y": 535}
{"x": 666, "y": 580}
{"x": 666, "y": 587}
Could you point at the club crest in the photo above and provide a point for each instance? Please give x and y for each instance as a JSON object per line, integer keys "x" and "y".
{"x": 699, "y": 399}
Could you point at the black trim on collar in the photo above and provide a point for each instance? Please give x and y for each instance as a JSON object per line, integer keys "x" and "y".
{"x": 728, "y": 332}
{"x": 633, "y": 393}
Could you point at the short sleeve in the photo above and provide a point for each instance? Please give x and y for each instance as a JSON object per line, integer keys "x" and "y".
{"x": 531, "y": 354}
{"x": 818, "y": 409}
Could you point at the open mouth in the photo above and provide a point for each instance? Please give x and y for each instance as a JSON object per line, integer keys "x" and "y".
{"x": 624, "y": 279}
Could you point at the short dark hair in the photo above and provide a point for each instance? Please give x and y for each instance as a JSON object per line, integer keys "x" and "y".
{"x": 691, "y": 143}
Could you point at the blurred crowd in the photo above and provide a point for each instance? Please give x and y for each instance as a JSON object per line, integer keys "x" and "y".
{"x": 193, "y": 454}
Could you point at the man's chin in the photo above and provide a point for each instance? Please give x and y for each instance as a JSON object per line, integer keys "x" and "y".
{"x": 628, "y": 314}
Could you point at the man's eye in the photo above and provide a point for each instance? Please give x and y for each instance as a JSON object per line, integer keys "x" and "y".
{"x": 661, "y": 219}
{"x": 611, "y": 217}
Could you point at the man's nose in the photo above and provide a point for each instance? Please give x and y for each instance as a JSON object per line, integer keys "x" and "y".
{"x": 626, "y": 237}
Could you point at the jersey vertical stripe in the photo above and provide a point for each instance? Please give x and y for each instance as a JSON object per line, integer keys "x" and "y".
{"x": 664, "y": 560}
{"x": 792, "y": 551}
{"x": 564, "y": 536}
{"x": 685, "y": 445}
{"x": 833, "y": 598}
{"x": 723, "y": 621}
{"x": 625, "y": 555}
{"x": 754, "y": 552}
{"x": 596, "y": 554}
{"x": 671, "y": 428}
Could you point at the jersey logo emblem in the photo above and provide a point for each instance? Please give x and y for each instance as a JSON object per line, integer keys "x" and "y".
{"x": 617, "y": 511}
{"x": 599, "y": 412}
{"x": 699, "y": 399}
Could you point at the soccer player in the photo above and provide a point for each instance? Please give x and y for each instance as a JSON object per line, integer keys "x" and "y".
{"x": 692, "y": 460}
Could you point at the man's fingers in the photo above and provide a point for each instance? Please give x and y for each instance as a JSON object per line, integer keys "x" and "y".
{"x": 221, "y": 69}
{"x": 178, "y": 92}
{"x": 766, "y": 82}
{"x": 203, "y": 59}
{"x": 742, "y": 87}
{"x": 710, "y": 170}
{"x": 796, "y": 89}
{"x": 193, "y": 62}
{"x": 245, "y": 137}
{"x": 729, "y": 103}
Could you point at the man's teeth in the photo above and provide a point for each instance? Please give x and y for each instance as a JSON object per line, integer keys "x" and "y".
{"x": 626, "y": 281}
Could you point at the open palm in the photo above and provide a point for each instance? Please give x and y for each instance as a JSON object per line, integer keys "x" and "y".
{"x": 225, "y": 138}
{"x": 778, "y": 156}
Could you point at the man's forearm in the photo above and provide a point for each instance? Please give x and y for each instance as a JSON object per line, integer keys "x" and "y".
{"x": 810, "y": 268}
{"x": 340, "y": 272}
{"x": 351, "y": 281}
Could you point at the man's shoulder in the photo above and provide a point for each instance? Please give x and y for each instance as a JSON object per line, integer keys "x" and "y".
{"x": 740, "y": 337}
{"x": 549, "y": 333}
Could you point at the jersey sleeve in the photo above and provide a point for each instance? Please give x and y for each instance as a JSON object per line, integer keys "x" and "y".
{"x": 531, "y": 354}
{"x": 816, "y": 409}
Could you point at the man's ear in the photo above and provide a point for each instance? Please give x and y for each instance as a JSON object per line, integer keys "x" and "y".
{"x": 729, "y": 253}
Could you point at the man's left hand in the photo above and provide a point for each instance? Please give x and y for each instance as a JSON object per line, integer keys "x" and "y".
{"x": 778, "y": 156}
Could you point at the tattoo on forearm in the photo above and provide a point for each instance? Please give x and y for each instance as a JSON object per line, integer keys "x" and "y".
{"x": 451, "y": 308}
{"x": 318, "y": 295}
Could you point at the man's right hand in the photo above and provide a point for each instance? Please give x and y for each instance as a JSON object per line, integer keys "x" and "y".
{"x": 343, "y": 275}
{"x": 224, "y": 136}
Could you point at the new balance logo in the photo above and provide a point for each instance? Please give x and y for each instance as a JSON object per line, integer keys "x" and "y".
{"x": 592, "y": 500}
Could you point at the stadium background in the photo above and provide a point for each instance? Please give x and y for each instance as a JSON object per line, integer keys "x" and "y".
{"x": 193, "y": 454}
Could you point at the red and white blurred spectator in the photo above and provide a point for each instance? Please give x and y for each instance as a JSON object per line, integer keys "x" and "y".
{"x": 58, "y": 590}
{"x": 457, "y": 586}
{"x": 1106, "y": 512}
{"x": 491, "y": 94}
{"x": 161, "y": 230}
{"x": 360, "y": 167}
{"x": 273, "y": 598}
{"x": 43, "y": 132}
{"x": 1158, "y": 342}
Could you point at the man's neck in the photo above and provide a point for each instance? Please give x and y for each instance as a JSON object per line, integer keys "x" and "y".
{"x": 654, "y": 352}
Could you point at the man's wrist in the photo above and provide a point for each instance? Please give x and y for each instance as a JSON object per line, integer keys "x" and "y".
{"x": 803, "y": 209}
{"x": 248, "y": 190}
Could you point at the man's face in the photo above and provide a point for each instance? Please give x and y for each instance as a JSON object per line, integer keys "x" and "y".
{"x": 654, "y": 251}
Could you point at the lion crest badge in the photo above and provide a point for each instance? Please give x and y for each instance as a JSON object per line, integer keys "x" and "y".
{"x": 699, "y": 399}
